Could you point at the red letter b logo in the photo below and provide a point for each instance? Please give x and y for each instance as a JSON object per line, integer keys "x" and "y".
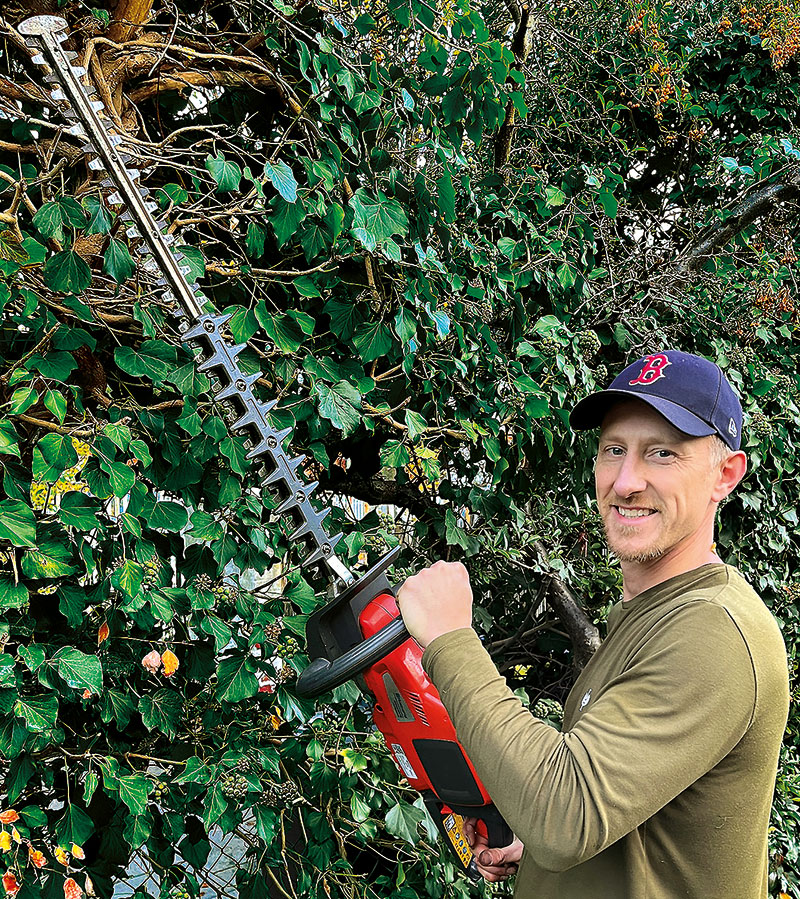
{"x": 653, "y": 369}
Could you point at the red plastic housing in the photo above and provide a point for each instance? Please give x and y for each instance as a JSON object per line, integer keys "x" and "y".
{"x": 408, "y": 709}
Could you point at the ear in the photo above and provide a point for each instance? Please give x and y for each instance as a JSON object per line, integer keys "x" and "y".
{"x": 731, "y": 471}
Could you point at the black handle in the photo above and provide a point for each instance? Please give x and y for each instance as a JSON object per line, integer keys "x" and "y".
{"x": 323, "y": 675}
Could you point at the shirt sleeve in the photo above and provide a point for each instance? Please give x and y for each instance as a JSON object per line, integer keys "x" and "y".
{"x": 682, "y": 703}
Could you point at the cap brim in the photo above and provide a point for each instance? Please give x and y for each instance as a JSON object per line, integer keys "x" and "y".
{"x": 591, "y": 410}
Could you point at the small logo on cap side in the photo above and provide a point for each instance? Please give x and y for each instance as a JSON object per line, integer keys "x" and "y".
{"x": 653, "y": 369}
{"x": 732, "y": 428}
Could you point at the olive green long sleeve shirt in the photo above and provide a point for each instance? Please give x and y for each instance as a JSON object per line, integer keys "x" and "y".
{"x": 660, "y": 784}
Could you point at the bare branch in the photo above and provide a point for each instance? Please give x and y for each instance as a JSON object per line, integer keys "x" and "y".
{"x": 745, "y": 213}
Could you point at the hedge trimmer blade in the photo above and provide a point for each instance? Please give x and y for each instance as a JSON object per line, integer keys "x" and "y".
{"x": 247, "y": 414}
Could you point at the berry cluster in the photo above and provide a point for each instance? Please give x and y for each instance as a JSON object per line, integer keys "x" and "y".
{"x": 761, "y": 426}
{"x": 159, "y": 790}
{"x": 180, "y": 893}
{"x": 749, "y": 59}
{"x": 281, "y": 794}
{"x": 548, "y": 708}
{"x": 286, "y": 674}
{"x": 235, "y": 786}
{"x": 152, "y": 570}
{"x": 287, "y": 649}
{"x": 203, "y": 582}
{"x": 601, "y": 374}
{"x": 588, "y": 343}
{"x": 548, "y": 344}
{"x": 273, "y": 631}
{"x": 244, "y": 765}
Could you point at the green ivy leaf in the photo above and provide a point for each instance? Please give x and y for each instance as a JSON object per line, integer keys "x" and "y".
{"x": 162, "y": 711}
{"x": 236, "y": 679}
{"x": 22, "y": 399}
{"x": 66, "y": 272}
{"x": 379, "y": 218}
{"x": 117, "y": 261}
{"x": 99, "y": 217}
{"x": 48, "y": 220}
{"x": 394, "y": 455}
{"x": 128, "y": 578}
{"x": 285, "y": 218}
{"x": 74, "y": 827}
{"x": 39, "y": 713}
{"x": 53, "y": 455}
{"x": 227, "y": 175}
{"x": 57, "y": 404}
{"x": 340, "y": 404}
{"x": 416, "y": 424}
{"x": 78, "y": 511}
{"x": 12, "y": 596}
{"x": 122, "y": 478}
{"x": 372, "y": 340}
{"x": 164, "y": 514}
{"x": 48, "y": 560}
{"x": 282, "y": 179}
{"x": 403, "y": 821}
{"x": 79, "y": 670}
{"x": 154, "y": 359}
{"x": 133, "y": 791}
{"x": 17, "y": 523}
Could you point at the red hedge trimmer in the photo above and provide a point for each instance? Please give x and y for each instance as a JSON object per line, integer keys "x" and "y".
{"x": 360, "y": 632}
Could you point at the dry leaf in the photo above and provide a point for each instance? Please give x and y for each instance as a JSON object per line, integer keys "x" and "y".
{"x": 9, "y": 816}
{"x": 77, "y": 851}
{"x": 37, "y": 858}
{"x": 61, "y": 855}
{"x": 15, "y": 835}
{"x": 171, "y": 663}
{"x": 10, "y": 883}
{"x": 152, "y": 661}
{"x": 102, "y": 634}
{"x": 72, "y": 890}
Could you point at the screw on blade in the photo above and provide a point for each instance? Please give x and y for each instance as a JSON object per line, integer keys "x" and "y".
{"x": 197, "y": 327}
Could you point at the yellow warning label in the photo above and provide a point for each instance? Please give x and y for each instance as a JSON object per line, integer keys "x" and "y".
{"x": 454, "y": 828}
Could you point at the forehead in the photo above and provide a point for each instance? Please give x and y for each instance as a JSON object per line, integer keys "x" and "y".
{"x": 634, "y": 418}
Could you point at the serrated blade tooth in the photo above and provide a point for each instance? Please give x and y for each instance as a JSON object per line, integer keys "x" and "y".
{"x": 150, "y": 206}
{"x": 277, "y": 475}
{"x": 69, "y": 54}
{"x": 37, "y": 60}
{"x": 318, "y": 555}
{"x": 217, "y": 358}
{"x": 96, "y": 165}
{"x": 252, "y": 415}
{"x": 133, "y": 232}
{"x": 58, "y": 94}
{"x": 97, "y": 105}
{"x": 76, "y": 130}
{"x": 307, "y": 526}
{"x": 115, "y": 199}
{"x": 235, "y": 387}
{"x": 299, "y": 496}
{"x": 269, "y": 443}
{"x": 78, "y": 70}
{"x": 200, "y": 328}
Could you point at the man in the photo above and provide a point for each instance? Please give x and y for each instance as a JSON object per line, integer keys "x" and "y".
{"x": 660, "y": 783}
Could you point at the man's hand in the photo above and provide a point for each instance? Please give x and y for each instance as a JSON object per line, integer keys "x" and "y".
{"x": 493, "y": 864}
{"x": 435, "y": 601}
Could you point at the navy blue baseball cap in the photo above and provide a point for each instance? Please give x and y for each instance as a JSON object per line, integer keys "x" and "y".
{"x": 691, "y": 392}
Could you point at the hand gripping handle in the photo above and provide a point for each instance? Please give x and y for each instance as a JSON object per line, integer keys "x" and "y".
{"x": 323, "y": 675}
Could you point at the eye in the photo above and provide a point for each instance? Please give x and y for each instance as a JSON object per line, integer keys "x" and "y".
{"x": 664, "y": 454}
{"x": 614, "y": 451}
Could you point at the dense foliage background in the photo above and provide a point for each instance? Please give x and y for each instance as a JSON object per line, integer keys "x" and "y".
{"x": 437, "y": 225}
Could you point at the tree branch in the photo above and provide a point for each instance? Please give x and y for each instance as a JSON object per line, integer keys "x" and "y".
{"x": 745, "y": 213}
{"x": 200, "y": 79}
{"x": 583, "y": 634}
{"x": 377, "y": 491}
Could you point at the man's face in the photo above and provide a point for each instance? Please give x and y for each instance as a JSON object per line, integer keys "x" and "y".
{"x": 653, "y": 483}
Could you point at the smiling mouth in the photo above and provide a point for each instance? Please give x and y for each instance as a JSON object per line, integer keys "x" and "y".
{"x": 633, "y": 514}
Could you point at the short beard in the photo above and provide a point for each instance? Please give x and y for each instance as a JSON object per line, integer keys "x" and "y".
{"x": 650, "y": 555}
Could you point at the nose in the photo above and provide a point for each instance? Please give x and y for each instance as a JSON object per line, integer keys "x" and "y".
{"x": 629, "y": 479}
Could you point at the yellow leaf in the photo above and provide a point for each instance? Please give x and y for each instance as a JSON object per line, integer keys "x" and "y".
{"x": 37, "y": 858}
{"x": 170, "y": 662}
{"x": 5, "y": 841}
{"x": 77, "y": 851}
{"x": 61, "y": 855}
{"x": 15, "y": 835}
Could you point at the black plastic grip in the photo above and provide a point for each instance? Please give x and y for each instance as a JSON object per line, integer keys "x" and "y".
{"x": 323, "y": 675}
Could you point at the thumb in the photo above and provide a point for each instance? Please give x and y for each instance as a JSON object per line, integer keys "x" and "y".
{"x": 492, "y": 857}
